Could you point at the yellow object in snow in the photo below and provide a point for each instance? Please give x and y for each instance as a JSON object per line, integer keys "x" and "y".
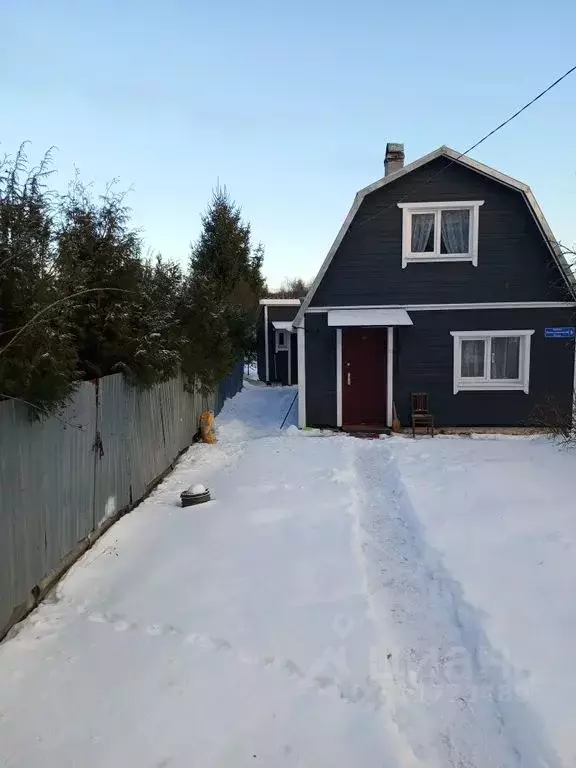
{"x": 207, "y": 427}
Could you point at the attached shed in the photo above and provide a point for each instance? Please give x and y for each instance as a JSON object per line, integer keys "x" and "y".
{"x": 277, "y": 354}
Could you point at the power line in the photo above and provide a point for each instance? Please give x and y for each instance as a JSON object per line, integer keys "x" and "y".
{"x": 480, "y": 141}
{"x": 519, "y": 111}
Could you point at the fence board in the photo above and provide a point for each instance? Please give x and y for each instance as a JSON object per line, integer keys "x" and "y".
{"x": 62, "y": 477}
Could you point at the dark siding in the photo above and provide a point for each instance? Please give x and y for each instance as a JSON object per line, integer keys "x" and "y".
{"x": 278, "y": 361}
{"x": 320, "y": 371}
{"x": 279, "y": 370}
{"x": 514, "y": 263}
{"x": 424, "y": 363}
{"x": 294, "y": 353}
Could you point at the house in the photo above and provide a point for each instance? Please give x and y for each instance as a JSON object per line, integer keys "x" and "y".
{"x": 277, "y": 355}
{"x": 446, "y": 279}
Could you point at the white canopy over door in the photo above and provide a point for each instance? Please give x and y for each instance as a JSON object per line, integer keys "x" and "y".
{"x": 342, "y": 318}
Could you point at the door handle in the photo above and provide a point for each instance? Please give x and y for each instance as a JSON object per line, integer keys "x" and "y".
{"x": 348, "y": 379}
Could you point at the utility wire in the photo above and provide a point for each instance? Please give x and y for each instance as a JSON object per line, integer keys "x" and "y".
{"x": 477, "y": 144}
{"x": 519, "y": 111}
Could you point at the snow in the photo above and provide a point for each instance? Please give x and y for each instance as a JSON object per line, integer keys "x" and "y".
{"x": 340, "y": 602}
{"x": 501, "y": 516}
{"x": 197, "y": 489}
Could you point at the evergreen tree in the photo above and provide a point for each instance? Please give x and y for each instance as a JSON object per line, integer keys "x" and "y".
{"x": 154, "y": 346}
{"x": 99, "y": 252}
{"x": 37, "y": 354}
{"x": 77, "y": 300}
{"x": 221, "y": 295}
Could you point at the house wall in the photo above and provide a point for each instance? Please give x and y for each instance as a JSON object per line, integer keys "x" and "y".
{"x": 424, "y": 359}
{"x": 279, "y": 367}
{"x": 320, "y": 346}
{"x": 514, "y": 263}
{"x": 278, "y": 362}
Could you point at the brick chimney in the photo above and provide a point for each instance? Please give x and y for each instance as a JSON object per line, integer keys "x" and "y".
{"x": 394, "y": 159}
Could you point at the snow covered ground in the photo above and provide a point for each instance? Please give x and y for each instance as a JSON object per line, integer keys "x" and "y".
{"x": 341, "y": 602}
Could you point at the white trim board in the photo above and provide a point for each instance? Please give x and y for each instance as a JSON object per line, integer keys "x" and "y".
{"x": 289, "y": 359}
{"x": 368, "y": 317}
{"x": 280, "y": 302}
{"x": 338, "y": 377}
{"x": 454, "y": 307}
{"x": 389, "y": 376}
{"x": 466, "y": 161}
{"x": 267, "y": 359}
{"x": 574, "y": 393}
{"x": 301, "y": 346}
{"x": 442, "y": 206}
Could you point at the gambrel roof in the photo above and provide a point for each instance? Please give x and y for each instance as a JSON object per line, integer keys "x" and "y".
{"x": 467, "y": 162}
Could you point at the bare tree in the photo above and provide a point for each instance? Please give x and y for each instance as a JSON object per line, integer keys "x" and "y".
{"x": 291, "y": 288}
{"x": 557, "y": 419}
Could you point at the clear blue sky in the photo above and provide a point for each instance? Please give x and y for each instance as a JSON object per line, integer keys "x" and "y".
{"x": 289, "y": 104}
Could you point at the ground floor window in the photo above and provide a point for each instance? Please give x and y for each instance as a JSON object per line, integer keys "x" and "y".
{"x": 281, "y": 341}
{"x": 493, "y": 360}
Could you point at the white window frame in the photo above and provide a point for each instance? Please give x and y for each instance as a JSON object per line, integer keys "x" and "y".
{"x": 281, "y": 347}
{"x": 467, "y": 383}
{"x": 408, "y": 209}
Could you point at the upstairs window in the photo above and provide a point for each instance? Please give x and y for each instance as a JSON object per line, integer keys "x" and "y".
{"x": 491, "y": 360}
{"x": 440, "y": 231}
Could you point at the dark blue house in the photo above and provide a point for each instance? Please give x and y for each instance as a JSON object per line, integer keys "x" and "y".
{"x": 277, "y": 355}
{"x": 445, "y": 279}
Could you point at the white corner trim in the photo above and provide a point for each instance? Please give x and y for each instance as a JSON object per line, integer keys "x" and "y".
{"x": 389, "y": 377}
{"x": 338, "y": 377}
{"x": 454, "y": 307}
{"x": 436, "y": 208}
{"x": 301, "y": 345}
{"x": 266, "y": 341}
{"x": 488, "y": 384}
{"x": 467, "y": 162}
{"x": 280, "y": 302}
{"x": 574, "y": 393}
{"x": 289, "y": 360}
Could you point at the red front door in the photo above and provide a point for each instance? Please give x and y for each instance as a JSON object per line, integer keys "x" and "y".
{"x": 364, "y": 377}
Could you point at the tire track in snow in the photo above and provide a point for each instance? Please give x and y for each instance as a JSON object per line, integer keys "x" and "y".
{"x": 451, "y": 695}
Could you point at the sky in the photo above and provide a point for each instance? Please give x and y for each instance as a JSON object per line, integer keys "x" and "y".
{"x": 289, "y": 105}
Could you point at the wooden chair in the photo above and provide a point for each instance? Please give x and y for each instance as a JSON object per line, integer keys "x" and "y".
{"x": 421, "y": 416}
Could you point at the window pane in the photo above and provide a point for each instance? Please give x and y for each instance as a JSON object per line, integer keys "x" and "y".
{"x": 472, "y": 355}
{"x": 505, "y": 362}
{"x": 422, "y": 232}
{"x": 455, "y": 231}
